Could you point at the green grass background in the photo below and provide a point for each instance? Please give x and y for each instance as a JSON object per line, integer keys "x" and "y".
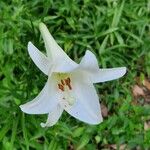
{"x": 117, "y": 31}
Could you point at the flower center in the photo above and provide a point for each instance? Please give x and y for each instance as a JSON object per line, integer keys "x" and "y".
{"x": 65, "y": 86}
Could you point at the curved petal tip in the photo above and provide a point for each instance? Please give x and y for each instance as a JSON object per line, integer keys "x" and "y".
{"x": 43, "y": 125}
{"x": 98, "y": 121}
{"x": 123, "y": 71}
{"x": 23, "y": 108}
{"x": 41, "y": 25}
{"x": 29, "y": 43}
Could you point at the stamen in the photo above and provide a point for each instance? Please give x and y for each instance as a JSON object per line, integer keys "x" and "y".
{"x": 69, "y": 86}
{"x": 67, "y": 81}
{"x": 61, "y": 87}
{"x": 62, "y": 82}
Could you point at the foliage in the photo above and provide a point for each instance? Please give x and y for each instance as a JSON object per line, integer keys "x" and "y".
{"x": 117, "y": 31}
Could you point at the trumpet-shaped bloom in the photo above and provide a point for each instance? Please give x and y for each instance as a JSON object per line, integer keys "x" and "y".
{"x": 70, "y": 85}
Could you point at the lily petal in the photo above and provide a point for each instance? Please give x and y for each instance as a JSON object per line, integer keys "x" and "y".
{"x": 62, "y": 62}
{"x": 103, "y": 75}
{"x": 89, "y": 62}
{"x": 53, "y": 116}
{"x": 99, "y": 75}
{"x": 86, "y": 105}
{"x": 39, "y": 59}
{"x": 44, "y": 102}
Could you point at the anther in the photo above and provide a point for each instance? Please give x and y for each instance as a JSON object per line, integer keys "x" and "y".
{"x": 67, "y": 81}
{"x": 62, "y": 82}
{"x": 61, "y": 87}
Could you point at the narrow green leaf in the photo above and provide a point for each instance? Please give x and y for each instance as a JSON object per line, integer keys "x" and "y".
{"x": 117, "y": 15}
{"x": 103, "y": 45}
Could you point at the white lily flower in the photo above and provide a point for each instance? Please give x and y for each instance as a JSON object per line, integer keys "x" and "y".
{"x": 70, "y": 85}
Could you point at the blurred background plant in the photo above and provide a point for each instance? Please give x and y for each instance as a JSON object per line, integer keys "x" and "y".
{"x": 117, "y": 31}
